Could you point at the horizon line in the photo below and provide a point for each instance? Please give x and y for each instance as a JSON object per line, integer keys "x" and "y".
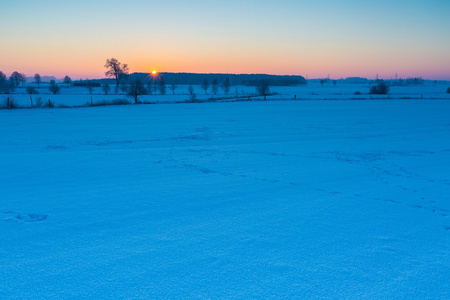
{"x": 268, "y": 74}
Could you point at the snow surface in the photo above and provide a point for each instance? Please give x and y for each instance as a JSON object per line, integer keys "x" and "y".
{"x": 276, "y": 199}
{"x": 75, "y": 96}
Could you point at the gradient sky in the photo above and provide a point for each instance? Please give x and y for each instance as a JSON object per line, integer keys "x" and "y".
{"x": 312, "y": 38}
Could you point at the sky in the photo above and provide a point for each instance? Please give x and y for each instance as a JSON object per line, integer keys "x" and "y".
{"x": 313, "y": 38}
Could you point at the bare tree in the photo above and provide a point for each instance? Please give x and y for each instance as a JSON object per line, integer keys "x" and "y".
{"x": 162, "y": 85}
{"x": 149, "y": 84}
{"x": 205, "y": 85}
{"x": 67, "y": 80}
{"x": 2, "y": 77}
{"x": 90, "y": 86}
{"x": 31, "y": 90}
{"x": 215, "y": 86}
{"x": 106, "y": 88}
{"x": 192, "y": 95}
{"x": 115, "y": 69}
{"x": 54, "y": 87}
{"x": 155, "y": 79}
{"x": 4, "y": 84}
{"x": 226, "y": 86}
{"x": 136, "y": 88}
{"x": 17, "y": 77}
{"x": 23, "y": 79}
{"x": 263, "y": 88}
{"x": 37, "y": 79}
{"x": 11, "y": 86}
{"x": 173, "y": 86}
{"x": 124, "y": 84}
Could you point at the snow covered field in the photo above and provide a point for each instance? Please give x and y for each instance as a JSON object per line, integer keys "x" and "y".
{"x": 275, "y": 199}
{"x": 75, "y": 96}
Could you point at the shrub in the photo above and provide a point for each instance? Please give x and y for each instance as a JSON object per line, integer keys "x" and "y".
{"x": 38, "y": 102}
{"x": 448, "y": 90}
{"x": 357, "y": 93}
{"x": 379, "y": 89}
{"x": 120, "y": 102}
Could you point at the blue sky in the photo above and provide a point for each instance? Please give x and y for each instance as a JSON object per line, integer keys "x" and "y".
{"x": 310, "y": 38}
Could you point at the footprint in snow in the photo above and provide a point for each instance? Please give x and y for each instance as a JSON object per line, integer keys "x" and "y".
{"x": 27, "y": 218}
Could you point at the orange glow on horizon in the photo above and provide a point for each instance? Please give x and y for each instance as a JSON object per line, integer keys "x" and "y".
{"x": 309, "y": 65}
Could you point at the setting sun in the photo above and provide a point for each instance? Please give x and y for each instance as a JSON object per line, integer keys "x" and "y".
{"x": 154, "y": 72}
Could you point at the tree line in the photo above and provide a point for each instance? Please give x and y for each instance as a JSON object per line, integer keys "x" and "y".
{"x": 9, "y": 85}
{"x": 138, "y": 84}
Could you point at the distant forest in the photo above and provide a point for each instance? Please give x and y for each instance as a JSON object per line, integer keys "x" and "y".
{"x": 199, "y": 78}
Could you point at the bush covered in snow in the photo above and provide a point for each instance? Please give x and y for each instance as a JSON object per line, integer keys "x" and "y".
{"x": 379, "y": 89}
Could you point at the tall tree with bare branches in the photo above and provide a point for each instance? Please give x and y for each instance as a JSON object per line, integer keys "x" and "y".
{"x": 226, "y": 86}
{"x": 162, "y": 85}
{"x": 37, "y": 78}
{"x": 67, "y": 80}
{"x": 263, "y": 88}
{"x": 18, "y": 78}
{"x": 136, "y": 88}
{"x": 215, "y": 86}
{"x": 205, "y": 85}
{"x": 115, "y": 69}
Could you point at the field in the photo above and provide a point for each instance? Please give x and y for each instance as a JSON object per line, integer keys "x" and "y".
{"x": 253, "y": 199}
{"x": 76, "y": 96}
